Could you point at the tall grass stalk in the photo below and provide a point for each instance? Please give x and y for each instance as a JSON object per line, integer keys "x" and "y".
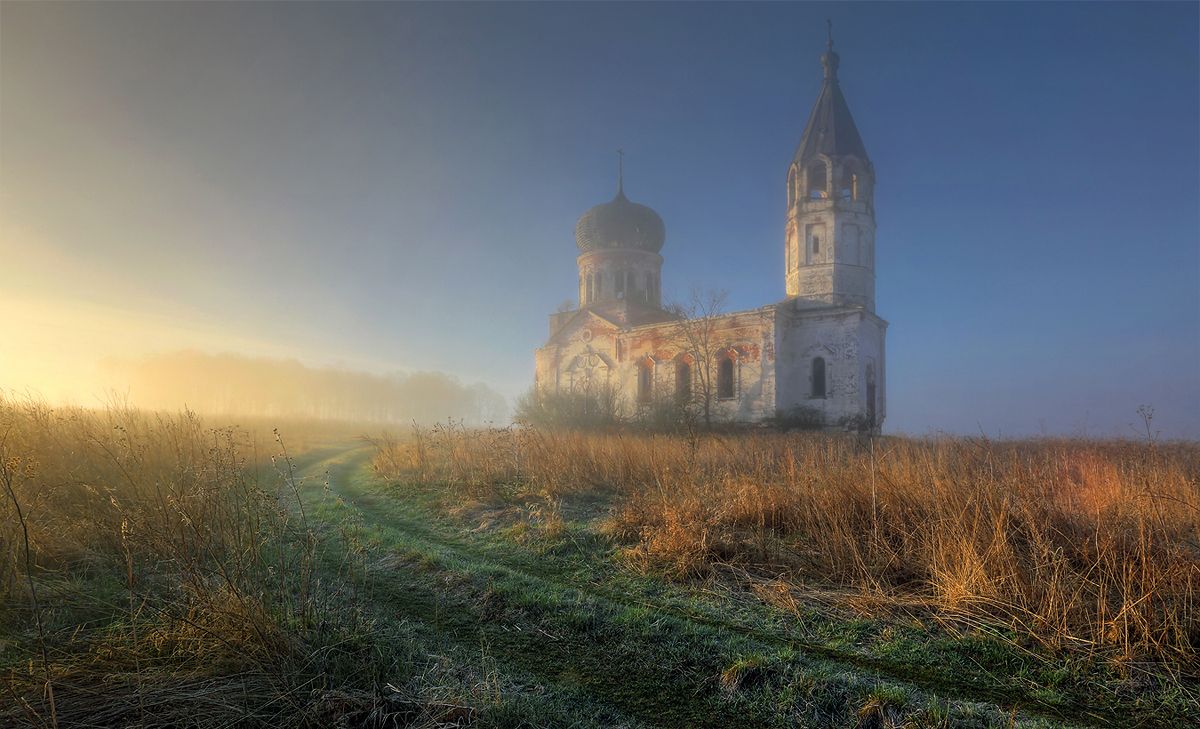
{"x": 217, "y": 567}
{"x": 7, "y": 468}
{"x": 1080, "y": 544}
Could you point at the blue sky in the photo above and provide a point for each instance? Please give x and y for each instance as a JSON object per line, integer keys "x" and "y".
{"x": 395, "y": 186}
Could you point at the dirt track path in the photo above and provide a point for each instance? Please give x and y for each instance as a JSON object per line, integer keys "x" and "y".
{"x": 639, "y": 659}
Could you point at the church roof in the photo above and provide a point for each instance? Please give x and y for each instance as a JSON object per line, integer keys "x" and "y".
{"x": 830, "y": 130}
{"x": 620, "y": 223}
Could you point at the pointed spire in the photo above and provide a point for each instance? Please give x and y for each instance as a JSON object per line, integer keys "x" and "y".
{"x": 830, "y": 130}
{"x": 620, "y": 173}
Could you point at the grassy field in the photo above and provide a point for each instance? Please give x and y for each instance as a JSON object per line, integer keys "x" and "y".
{"x": 179, "y": 574}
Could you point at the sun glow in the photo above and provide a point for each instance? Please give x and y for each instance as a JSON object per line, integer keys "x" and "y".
{"x": 55, "y": 347}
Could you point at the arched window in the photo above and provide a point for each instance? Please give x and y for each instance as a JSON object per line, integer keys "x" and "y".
{"x": 619, "y": 289}
{"x": 683, "y": 380}
{"x": 817, "y": 183}
{"x": 591, "y": 288}
{"x": 646, "y": 381}
{"x": 818, "y": 377}
{"x": 725, "y": 378}
{"x": 793, "y": 187}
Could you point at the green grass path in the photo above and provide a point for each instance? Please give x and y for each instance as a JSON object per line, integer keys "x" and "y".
{"x": 595, "y": 645}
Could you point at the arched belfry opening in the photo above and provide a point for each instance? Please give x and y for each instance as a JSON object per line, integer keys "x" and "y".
{"x": 818, "y": 181}
{"x": 854, "y": 181}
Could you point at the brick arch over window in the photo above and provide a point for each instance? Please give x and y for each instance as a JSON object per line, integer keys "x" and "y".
{"x": 683, "y": 377}
{"x": 727, "y": 375}
{"x": 645, "y": 386}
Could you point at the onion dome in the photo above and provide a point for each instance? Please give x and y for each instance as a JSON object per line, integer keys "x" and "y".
{"x": 620, "y": 224}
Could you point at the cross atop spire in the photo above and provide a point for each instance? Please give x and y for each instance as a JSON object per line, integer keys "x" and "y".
{"x": 829, "y": 59}
{"x": 620, "y": 172}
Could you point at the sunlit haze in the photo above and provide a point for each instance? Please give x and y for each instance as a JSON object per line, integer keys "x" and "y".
{"x": 393, "y": 188}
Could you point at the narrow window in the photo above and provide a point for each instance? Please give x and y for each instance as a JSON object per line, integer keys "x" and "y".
{"x": 649, "y": 288}
{"x": 853, "y": 187}
{"x": 818, "y": 377}
{"x": 683, "y": 381}
{"x": 591, "y": 288}
{"x": 620, "y": 285}
{"x": 816, "y": 244}
{"x": 645, "y": 381}
{"x": 725, "y": 378}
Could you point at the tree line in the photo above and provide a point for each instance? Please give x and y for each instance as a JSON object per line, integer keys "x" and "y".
{"x": 238, "y": 384}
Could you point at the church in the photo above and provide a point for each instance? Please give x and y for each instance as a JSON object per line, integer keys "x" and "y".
{"x": 816, "y": 356}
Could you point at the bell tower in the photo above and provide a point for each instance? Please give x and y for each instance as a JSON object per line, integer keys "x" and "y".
{"x": 830, "y": 249}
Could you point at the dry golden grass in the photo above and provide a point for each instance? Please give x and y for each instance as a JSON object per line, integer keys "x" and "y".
{"x": 1084, "y": 545}
{"x": 155, "y": 555}
{"x": 126, "y": 487}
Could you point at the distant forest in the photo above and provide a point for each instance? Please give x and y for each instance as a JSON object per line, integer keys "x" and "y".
{"x": 235, "y": 384}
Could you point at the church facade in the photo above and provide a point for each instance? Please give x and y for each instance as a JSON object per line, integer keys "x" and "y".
{"x": 817, "y": 355}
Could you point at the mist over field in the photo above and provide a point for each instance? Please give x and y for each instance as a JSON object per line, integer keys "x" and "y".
{"x": 394, "y": 187}
{"x": 230, "y": 384}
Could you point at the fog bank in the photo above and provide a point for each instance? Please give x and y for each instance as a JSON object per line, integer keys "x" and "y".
{"x": 237, "y": 384}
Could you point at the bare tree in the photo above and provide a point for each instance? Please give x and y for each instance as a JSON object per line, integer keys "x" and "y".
{"x": 696, "y": 334}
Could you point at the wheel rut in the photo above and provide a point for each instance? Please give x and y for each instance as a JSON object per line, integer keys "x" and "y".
{"x": 413, "y": 531}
